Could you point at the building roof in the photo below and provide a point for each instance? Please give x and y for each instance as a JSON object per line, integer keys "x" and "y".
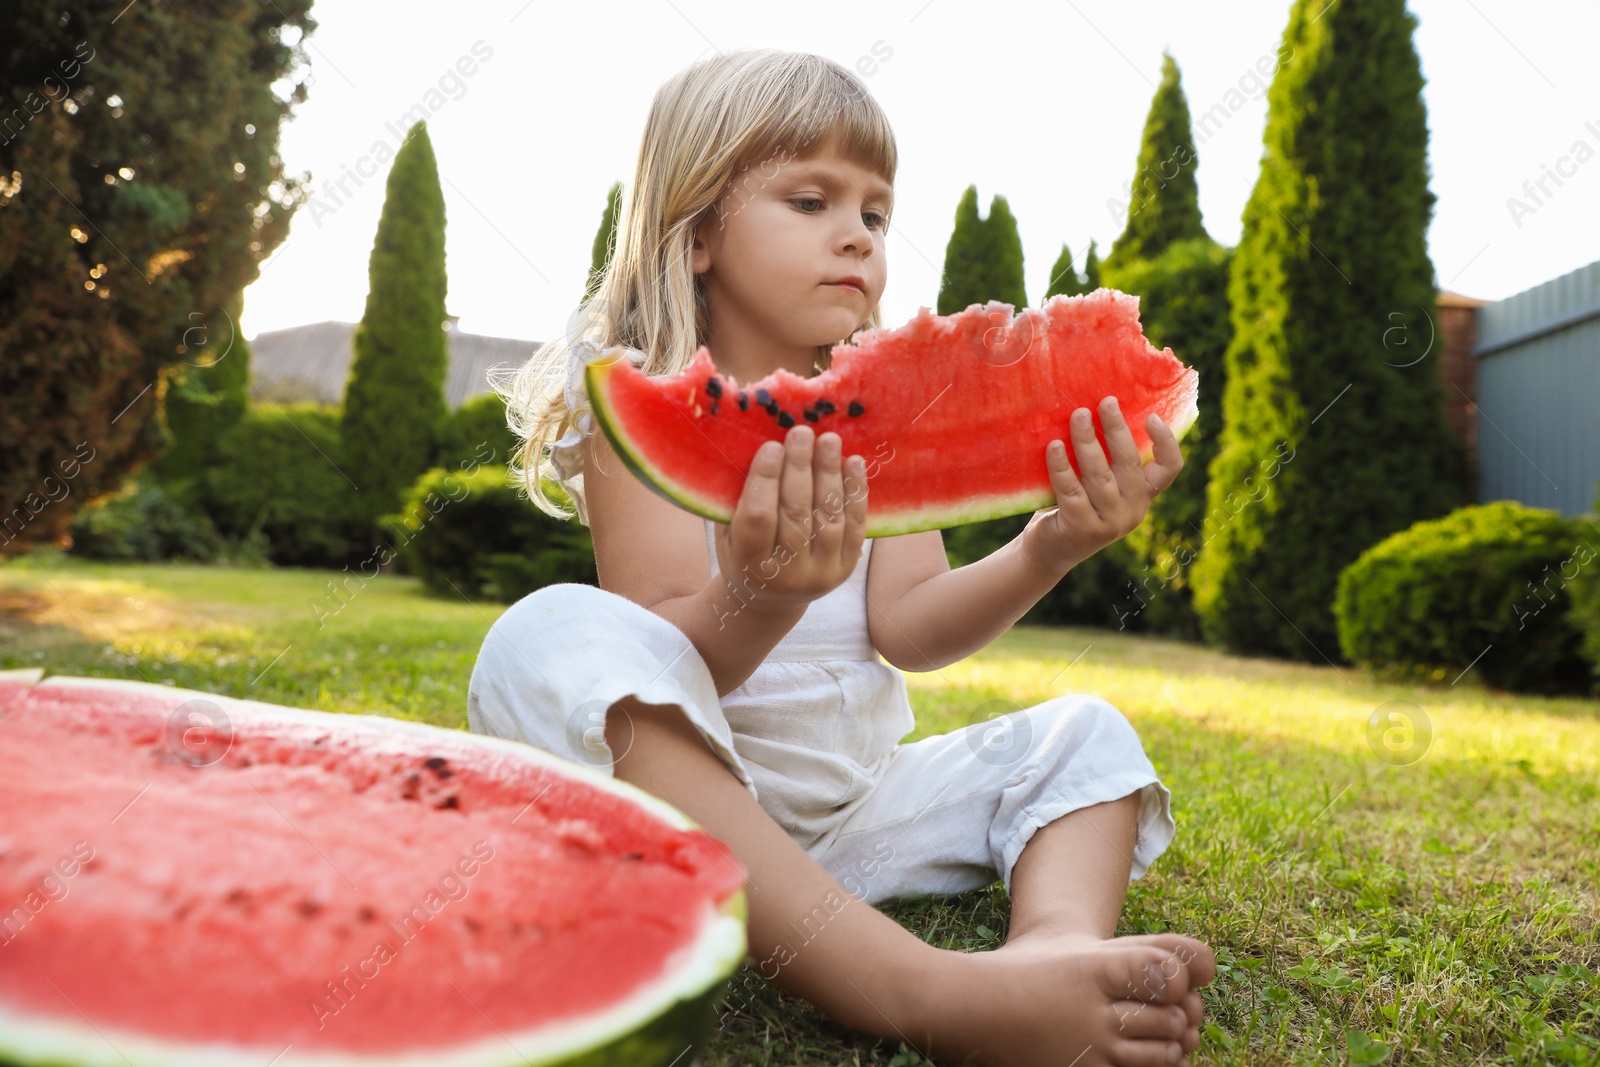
{"x": 1447, "y": 299}
{"x": 313, "y": 361}
{"x": 1548, "y": 307}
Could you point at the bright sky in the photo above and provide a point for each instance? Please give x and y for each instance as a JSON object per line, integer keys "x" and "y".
{"x": 1040, "y": 103}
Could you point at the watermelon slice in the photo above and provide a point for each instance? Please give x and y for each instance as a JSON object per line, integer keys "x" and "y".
{"x": 952, "y": 413}
{"x": 189, "y": 879}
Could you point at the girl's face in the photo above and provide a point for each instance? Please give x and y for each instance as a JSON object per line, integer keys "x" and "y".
{"x": 784, "y": 234}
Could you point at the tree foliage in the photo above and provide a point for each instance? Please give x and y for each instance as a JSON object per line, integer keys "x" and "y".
{"x": 207, "y": 394}
{"x": 140, "y": 187}
{"x": 1334, "y": 434}
{"x": 394, "y": 404}
{"x": 1163, "y": 204}
{"x": 1166, "y": 258}
{"x": 1064, "y": 278}
{"x": 1183, "y": 305}
{"x": 605, "y": 241}
{"x": 983, "y": 260}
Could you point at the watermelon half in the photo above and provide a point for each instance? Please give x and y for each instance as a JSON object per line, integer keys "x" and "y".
{"x": 952, "y": 413}
{"x": 189, "y": 879}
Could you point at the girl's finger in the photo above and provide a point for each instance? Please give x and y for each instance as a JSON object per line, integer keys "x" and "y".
{"x": 1071, "y": 498}
{"x": 1163, "y": 470}
{"x": 1125, "y": 462}
{"x": 855, "y": 500}
{"x": 1094, "y": 470}
{"x": 757, "y": 511}
{"x": 826, "y": 521}
{"x": 794, "y": 490}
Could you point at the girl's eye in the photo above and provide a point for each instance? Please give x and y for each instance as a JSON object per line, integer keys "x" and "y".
{"x": 880, "y": 224}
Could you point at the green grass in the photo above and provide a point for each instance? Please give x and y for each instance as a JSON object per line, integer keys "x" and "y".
{"x": 1442, "y": 911}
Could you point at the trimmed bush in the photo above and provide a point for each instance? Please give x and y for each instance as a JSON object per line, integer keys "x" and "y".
{"x": 144, "y": 522}
{"x": 280, "y": 471}
{"x": 1485, "y": 584}
{"x": 475, "y": 433}
{"x": 1584, "y": 590}
{"x": 470, "y": 532}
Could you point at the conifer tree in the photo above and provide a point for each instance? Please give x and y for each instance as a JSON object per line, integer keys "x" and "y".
{"x": 1064, "y": 276}
{"x": 983, "y": 260}
{"x": 1334, "y": 435}
{"x": 1091, "y": 269}
{"x": 1180, "y": 275}
{"x": 394, "y": 403}
{"x": 141, "y": 187}
{"x": 605, "y": 240}
{"x": 1163, "y": 203}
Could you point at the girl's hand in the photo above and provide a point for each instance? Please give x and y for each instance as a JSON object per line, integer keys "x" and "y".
{"x": 1112, "y": 497}
{"x": 798, "y": 529}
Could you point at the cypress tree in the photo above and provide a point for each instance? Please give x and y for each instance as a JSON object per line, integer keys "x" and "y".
{"x": 983, "y": 260}
{"x": 605, "y": 240}
{"x": 1166, "y": 258}
{"x": 1091, "y": 269}
{"x": 206, "y": 396}
{"x": 394, "y": 403}
{"x": 1163, "y": 198}
{"x": 1329, "y": 442}
{"x": 1064, "y": 276}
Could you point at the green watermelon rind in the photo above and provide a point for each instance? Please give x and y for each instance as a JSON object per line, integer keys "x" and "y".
{"x": 975, "y": 509}
{"x": 655, "y": 1027}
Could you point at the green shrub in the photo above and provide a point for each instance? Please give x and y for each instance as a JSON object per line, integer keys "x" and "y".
{"x": 144, "y": 522}
{"x": 1584, "y": 590}
{"x": 470, "y": 532}
{"x": 280, "y": 471}
{"x": 475, "y": 433}
{"x": 1484, "y": 584}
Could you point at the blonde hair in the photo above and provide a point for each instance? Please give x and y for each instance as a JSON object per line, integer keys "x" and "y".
{"x": 707, "y": 125}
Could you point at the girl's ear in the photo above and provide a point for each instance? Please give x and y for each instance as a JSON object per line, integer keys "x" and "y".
{"x": 699, "y": 249}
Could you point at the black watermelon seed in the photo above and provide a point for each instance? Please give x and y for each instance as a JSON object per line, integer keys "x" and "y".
{"x": 825, "y": 406}
{"x": 763, "y": 397}
{"x": 855, "y": 408}
{"x": 714, "y": 404}
{"x": 785, "y": 419}
{"x": 713, "y": 387}
{"x": 744, "y": 401}
{"x": 811, "y": 416}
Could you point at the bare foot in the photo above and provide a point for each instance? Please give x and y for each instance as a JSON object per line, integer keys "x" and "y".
{"x": 1049, "y": 998}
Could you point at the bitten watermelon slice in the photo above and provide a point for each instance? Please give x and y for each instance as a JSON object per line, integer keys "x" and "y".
{"x": 188, "y": 879}
{"x": 952, "y": 413}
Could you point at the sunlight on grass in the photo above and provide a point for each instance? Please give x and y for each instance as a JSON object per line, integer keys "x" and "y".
{"x": 1438, "y": 906}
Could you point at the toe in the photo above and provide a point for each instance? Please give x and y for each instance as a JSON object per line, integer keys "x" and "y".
{"x": 1137, "y": 1019}
{"x": 1196, "y": 956}
{"x": 1147, "y": 1054}
{"x": 1144, "y": 972}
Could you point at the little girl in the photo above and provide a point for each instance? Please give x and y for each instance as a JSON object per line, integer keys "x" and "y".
{"x": 755, "y": 226}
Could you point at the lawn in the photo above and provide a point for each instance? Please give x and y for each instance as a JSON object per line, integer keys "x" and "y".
{"x": 1364, "y": 909}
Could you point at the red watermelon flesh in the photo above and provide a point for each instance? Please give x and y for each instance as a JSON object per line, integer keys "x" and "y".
{"x": 952, "y": 413}
{"x": 188, "y": 878}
